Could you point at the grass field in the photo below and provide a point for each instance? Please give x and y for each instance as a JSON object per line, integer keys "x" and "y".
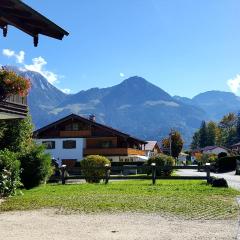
{"x": 191, "y": 199}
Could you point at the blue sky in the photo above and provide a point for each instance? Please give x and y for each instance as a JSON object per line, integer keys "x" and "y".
{"x": 183, "y": 46}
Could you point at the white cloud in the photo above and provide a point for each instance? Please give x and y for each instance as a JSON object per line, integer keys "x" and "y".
{"x": 38, "y": 66}
{"x": 161, "y": 102}
{"x": 122, "y": 74}
{"x": 234, "y": 84}
{"x": 8, "y": 52}
{"x": 18, "y": 56}
{"x": 66, "y": 90}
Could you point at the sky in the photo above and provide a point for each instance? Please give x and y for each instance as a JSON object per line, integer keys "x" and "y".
{"x": 183, "y": 46}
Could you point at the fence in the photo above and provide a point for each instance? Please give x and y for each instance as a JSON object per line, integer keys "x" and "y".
{"x": 147, "y": 172}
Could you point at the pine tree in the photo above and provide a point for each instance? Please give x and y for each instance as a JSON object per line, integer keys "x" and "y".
{"x": 211, "y": 133}
{"x": 195, "y": 141}
{"x": 203, "y": 135}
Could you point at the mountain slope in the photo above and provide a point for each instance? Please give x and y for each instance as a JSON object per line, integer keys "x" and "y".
{"x": 43, "y": 96}
{"x": 135, "y": 106}
{"x": 217, "y": 103}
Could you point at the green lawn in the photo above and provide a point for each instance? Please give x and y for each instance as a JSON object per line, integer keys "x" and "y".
{"x": 184, "y": 198}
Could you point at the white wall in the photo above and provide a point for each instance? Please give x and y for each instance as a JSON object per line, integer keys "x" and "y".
{"x": 60, "y": 153}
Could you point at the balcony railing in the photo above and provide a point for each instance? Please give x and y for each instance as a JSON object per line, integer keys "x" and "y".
{"x": 13, "y": 107}
{"x": 81, "y": 133}
{"x": 113, "y": 151}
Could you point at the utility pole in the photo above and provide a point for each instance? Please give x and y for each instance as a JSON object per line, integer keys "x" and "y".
{"x": 170, "y": 142}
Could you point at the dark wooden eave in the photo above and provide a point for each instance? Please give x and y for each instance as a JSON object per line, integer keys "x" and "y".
{"x": 92, "y": 123}
{"x": 23, "y": 17}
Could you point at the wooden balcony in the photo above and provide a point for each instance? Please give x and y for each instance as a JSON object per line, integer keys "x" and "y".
{"x": 73, "y": 134}
{"x": 113, "y": 151}
{"x": 13, "y": 107}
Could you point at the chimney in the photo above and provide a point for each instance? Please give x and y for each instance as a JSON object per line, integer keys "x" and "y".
{"x": 92, "y": 117}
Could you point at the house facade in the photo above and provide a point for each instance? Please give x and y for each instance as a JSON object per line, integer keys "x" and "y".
{"x": 236, "y": 147}
{"x": 13, "y": 107}
{"x": 70, "y": 139}
{"x": 214, "y": 150}
{"x": 151, "y": 149}
{"x": 211, "y": 150}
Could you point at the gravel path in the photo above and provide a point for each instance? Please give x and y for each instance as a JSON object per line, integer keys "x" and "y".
{"x": 46, "y": 224}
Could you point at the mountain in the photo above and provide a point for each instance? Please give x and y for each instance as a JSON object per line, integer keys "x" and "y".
{"x": 217, "y": 103}
{"x": 43, "y": 96}
{"x": 135, "y": 106}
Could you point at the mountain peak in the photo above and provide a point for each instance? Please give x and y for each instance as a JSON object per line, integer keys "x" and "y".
{"x": 135, "y": 80}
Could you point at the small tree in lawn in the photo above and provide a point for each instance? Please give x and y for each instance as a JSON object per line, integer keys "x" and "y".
{"x": 176, "y": 143}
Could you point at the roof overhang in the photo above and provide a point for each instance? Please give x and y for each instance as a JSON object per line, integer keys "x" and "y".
{"x": 23, "y": 17}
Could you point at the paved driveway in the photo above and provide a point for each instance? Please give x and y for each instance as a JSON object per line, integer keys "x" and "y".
{"x": 232, "y": 179}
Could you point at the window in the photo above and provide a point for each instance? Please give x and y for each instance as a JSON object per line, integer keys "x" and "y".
{"x": 72, "y": 127}
{"x": 69, "y": 144}
{"x": 106, "y": 144}
{"x": 75, "y": 127}
{"x": 49, "y": 144}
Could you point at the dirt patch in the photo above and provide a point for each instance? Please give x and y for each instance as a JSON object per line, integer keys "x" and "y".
{"x": 46, "y": 224}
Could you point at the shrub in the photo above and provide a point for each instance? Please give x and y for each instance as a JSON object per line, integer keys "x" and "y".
{"x": 161, "y": 161}
{"x": 36, "y": 167}
{"x": 225, "y": 164}
{"x": 222, "y": 154}
{"x": 203, "y": 158}
{"x": 93, "y": 168}
{"x": 9, "y": 173}
{"x": 219, "y": 182}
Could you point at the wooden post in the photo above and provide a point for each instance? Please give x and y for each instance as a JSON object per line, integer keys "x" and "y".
{"x": 63, "y": 170}
{"x": 107, "y": 173}
{"x": 153, "y": 173}
{"x": 208, "y": 171}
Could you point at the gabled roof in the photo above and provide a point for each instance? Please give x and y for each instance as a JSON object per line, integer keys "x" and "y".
{"x": 150, "y": 145}
{"x": 93, "y": 123}
{"x": 236, "y": 144}
{"x": 209, "y": 148}
{"x": 23, "y": 17}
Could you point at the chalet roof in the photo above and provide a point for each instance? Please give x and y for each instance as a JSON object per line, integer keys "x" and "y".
{"x": 209, "y": 148}
{"x": 236, "y": 144}
{"x": 150, "y": 145}
{"x": 23, "y": 17}
{"x": 75, "y": 116}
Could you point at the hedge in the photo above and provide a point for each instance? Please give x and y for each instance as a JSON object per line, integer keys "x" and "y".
{"x": 226, "y": 164}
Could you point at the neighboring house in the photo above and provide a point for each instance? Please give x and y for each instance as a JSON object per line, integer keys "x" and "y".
{"x": 182, "y": 157}
{"x": 236, "y": 147}
{"x": 71, "y": 138}
{"x": 151, "y": 149}
{"x": 13, "y": 107}
{"x": 213, "y": 150}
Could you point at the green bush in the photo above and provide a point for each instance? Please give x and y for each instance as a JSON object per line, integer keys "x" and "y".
{"x": 9, "y": 173}
{"x": 93, "y": 168}
{"x": 226, "y": 164}
{"x": 162, "y": 161}
{"x": 36, "y": 167}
